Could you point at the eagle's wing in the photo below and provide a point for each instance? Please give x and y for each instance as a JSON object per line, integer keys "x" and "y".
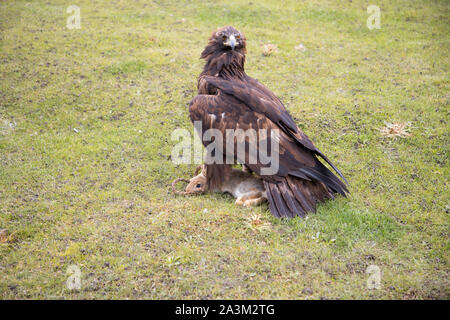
{"x": 260, "y": 99}
{"x": 301, "y": 181}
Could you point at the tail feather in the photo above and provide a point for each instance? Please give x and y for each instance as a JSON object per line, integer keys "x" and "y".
{"x": 293, "y": 196}
{"x": 324, "y": 157}
{"x": 306, "y": 205}
{"x": 271, "y": 201}
{"x": 323, "y": 174}
{"x": 280, "y": 207}
{"x": 289, "y": 200}
{"x": 329, "y": 181}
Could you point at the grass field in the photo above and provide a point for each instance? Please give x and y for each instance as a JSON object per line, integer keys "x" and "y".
{"x": 86, "y": 117}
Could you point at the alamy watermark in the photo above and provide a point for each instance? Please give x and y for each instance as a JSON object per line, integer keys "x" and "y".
{"x": 74, "y": 280}
{"x": 374, "y": 280}
{"x": 189, "y": 149}
{"x": 74, "y": 20}
{"x": 374, "y": 20}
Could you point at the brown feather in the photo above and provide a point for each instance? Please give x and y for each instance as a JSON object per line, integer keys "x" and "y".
{"x": 238, "y": 101}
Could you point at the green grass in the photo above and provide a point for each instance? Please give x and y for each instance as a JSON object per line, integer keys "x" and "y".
{"x": 86, "y": 117}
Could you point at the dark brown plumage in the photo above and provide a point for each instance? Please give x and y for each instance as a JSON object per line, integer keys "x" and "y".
{"x": 229, "y": 99}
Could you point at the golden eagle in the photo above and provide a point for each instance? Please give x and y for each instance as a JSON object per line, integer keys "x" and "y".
{"x": 229, "y": 99}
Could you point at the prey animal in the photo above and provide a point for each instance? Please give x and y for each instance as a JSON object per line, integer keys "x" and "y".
{"x": 243, "y": 185}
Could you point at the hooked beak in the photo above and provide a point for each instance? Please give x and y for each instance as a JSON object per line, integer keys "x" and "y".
{"x": 231, "y": 42}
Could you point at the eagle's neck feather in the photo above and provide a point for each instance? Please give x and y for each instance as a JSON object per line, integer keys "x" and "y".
{"x": 225, "y": 64}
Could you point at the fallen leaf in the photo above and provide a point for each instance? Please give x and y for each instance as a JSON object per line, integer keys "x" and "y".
{"x": 395, "y": 129}
{"x": 269, "y": 48}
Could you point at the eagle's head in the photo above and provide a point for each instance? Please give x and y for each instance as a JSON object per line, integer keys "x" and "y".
{"x": 229, "y": 38}
{"x": 225, "y": 39}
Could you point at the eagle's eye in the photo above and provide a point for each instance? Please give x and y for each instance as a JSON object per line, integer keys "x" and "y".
{"x": 224, "y": 37}
{"x": 238, "y": 37}
{"x": 198, "y": 185}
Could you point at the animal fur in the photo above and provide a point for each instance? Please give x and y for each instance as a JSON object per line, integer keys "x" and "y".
{"x": 244, "y": 186}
